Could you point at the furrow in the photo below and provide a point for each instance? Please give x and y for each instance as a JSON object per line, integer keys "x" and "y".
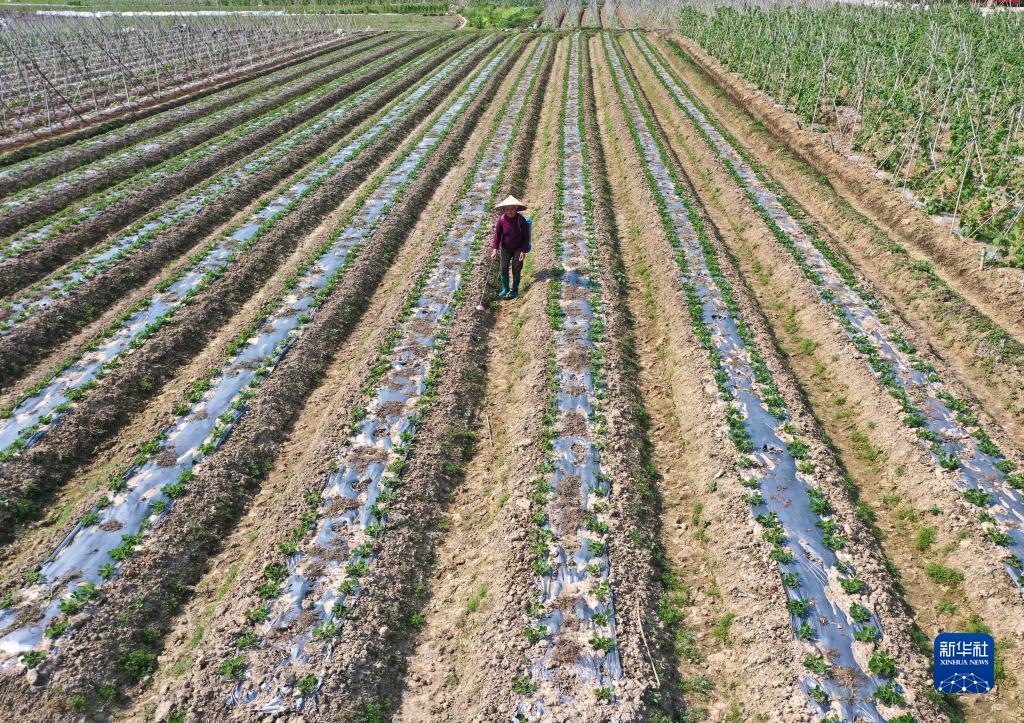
{"x": 825, "y": 596}
{"x": 43, "y": 294}
{"x": 982, "y": 351}
{"x": 160, "y": 333}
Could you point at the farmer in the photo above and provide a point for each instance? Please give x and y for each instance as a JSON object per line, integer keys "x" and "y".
{"x": 512, "y": 242}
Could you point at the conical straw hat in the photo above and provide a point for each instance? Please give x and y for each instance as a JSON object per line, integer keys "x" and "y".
{"x": 511, "y": 201}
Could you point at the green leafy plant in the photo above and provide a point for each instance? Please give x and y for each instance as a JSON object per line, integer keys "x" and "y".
{"x": 804, "y": 631}
{"x": 816, "y": 663}
{"x": 889, "y": 694}
{"x": 798, "y": 607}
{"x": 859, "y": 613}
{"x": 979, "y": 497}
{"x": 944, "y": 575}
{"x": 138, "y": 664}
{"x": 882, "y": 664}
{"x": 535, "y": 633}
{"x": 33, "y": 658}
{"x": 852, "y": 585}
{"x": 867, "y": 634}
{"x": 233, "y": 667}
{"x": 307, "y": 684}
{"x": 818, "y": 695}
{"x": 523, "y": 685}
{"x": 602, "y": 643}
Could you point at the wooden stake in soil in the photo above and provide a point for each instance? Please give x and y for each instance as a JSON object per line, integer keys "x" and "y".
{"x": 643, "y": 636}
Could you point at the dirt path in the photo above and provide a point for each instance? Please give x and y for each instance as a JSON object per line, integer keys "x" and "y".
{"x": 886, "y": 467}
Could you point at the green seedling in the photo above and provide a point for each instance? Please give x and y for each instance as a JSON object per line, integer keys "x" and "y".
{"x": 867, "y": 634}
{"x": 816, "y": 663}
{"x": 859, "y": 613}
{"x": 233, "y": 667}
{"x": 889, "y": 694}
{"x": 798, "y": 607}
{"x": 882, "y": 664}
{"x": 307, "y": 685}
{"x": 523, "y": 685}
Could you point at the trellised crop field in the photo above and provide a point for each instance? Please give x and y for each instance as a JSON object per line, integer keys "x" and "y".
{"x": 272, "y": 448}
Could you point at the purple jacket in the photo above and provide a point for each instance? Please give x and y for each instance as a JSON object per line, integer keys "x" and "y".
{"x": 511, "y": 233}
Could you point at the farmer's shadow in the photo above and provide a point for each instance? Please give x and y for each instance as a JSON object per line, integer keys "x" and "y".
{"x": 542, "y": 276}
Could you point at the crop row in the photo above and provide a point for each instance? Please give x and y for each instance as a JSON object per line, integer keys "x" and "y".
{"x": 165, "y": 328}
{"x": 113, "y": 639}
{"x": 192, "y": 134}
{"x": 644, "y": 576}
{"x": 144, "y": 116}
{"x": 278, "y": 108}
{"x": 238, "y": 182}
{"x": 572, "y": 622}
{"x": 944, "y": 424}
{"x": 328, "y": 554}
{"x": 36, "y": 262}
{"x": 59, "y": 73}
{"x": 145, "y": 494}
{"x": 41, "y": 162}
{"x": 828, "y": 602}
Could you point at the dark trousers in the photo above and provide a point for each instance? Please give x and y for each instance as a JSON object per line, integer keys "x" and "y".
{"x": 511, "y": 258}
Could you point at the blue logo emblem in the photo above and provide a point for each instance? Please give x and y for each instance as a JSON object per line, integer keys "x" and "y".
{"x": 965, "y": 663}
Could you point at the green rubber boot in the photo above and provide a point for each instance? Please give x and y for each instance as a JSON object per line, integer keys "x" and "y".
{"x": 514, "y": 293}
{"x": 504, "y": 287}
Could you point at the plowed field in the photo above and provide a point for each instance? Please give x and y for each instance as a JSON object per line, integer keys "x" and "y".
{"x": 273, "y": 448}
